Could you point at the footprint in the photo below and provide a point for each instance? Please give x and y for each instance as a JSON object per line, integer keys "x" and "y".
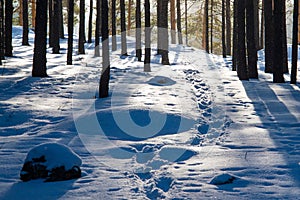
{"x": 203, "y": 129}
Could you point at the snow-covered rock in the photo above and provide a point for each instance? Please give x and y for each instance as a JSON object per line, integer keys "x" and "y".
{"x": 222, "y": 179}
{"x": 53, "y": 161}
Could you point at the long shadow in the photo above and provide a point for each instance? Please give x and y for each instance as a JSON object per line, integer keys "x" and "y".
{"x": 285, "y": 139}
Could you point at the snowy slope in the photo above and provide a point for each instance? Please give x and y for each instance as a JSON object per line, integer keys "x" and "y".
{"x": 163, "y": 134}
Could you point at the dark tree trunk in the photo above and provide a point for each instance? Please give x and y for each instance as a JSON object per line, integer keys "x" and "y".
{"x": 206, "y": 26}
{"x": 159, "y": 27}
{"x": 1, "y": 31}
{"x": 138, "y": 31}
{"x": 251, "y": 39}
{"x": 235, "y": 36}
{"x": 97, "y": 30}
{"x": 269, "y": 31}
{"x": 123, "y": 29}
{"x": 39, "y": 68}
{"x": 25, "y": 22}
{"x": 242, "y": 69}
{"x": 51, "y": 24}
{"x": 105, "y": 74}
{"x": 211, "y": 25}
{"x": 8, "y": 27}
{"x": 295, "y": 43}
{"x": 284, "y": 40}
{"x": 90, "y": 22}
{"x": 147, "y": 60}
{"x": 278, "y": 37}
{"x": 70, "y": 31}
{"x": 262, "y": 20}
{"x": 81, "y": 40}
{"x": 186, "y": 23}
{"x": 165, "y": 34}
{"x": 173, "y": 21}
{"x": 113, "y": 26}
{"x": 256, "y": 23}
{"x": 61, "y": 20}
{"x": 228, "y": 28}
{"x": 179, "y": 29}
{"x": 55, "y": 36}
{"x": 223, "y": 29}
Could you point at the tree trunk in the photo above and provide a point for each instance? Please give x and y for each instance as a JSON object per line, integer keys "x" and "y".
{"x": 256, "y": 23}
{"x": 206, "y": 27}
{"x": 147, "y": 60}
{"x": 164, "y": 32}
{"x": 81, "y": 40}
{"x": 228, "y": 28}
{"x": 113, "y": 26}
{"x": 129, "y": 17}
{"x": 55, "y": 36}
{"x": 186, "y": 23}
{"x": 51, "y": 24}
{"x": 269, "y": 31}
{"x": 235, "y": 36}
{"x": 284, "y": 40}
{"x": 223, "y": 29}
{"x": 123, "y": 29}
{"x": 105, "y": 74}
{"x": 39, "y": 68}
{"x": 25, "y": 22}
{"x": 70, "y": 31}
{"x": 1, "y": 31}
{"x": 97, "y": 30}
{"x": 179, "y": 29}
{"x": 262, "y": 20}
{"x": 33, "y": 12}
{"x": 138, "y": 31}
{"x": 251, "y": 38}
{"x": 211, "y": 24}
{"x": 90, "y": 22}
{"x": 20, "y": 12}
{"x": 173, "y": 21}
{"x": 61, "y": 20}
{"x": 8, "y": 27}
{"x": 242, "y": 69}
{"x": 159, "y": 27}
{"x": 295, "y": 42}
{"x": 278, "y": 37}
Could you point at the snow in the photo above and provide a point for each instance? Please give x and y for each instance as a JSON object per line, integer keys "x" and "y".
{"x": 163, "y": 134}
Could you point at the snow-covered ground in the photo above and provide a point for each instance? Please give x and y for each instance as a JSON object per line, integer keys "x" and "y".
{"x": 178, "y": 132}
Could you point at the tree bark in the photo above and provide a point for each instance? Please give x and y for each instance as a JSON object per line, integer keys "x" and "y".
{"x": 284, "y": 40}
{"x": 262, "y": 20}
{"x": 33, "y": 12}
{"x": 173, "y": 21}
{"x": 159, "y": 27}
{"x": 129, "y": 17}
{"x": 61, "y": 20}
{"x": 113, "y": 26}
{"x": 147, "y": 60}
{"x": 295, "y": 42}
{"x": 90, "y": 22}
{"x": 81, "y": 40}
{"x": 123, "y": 29}
{"x": 269, "y": 35}
{"x": 179, "y": 29}
{"x": 211, "y": 24}
{"x": 223, "y": 29}
{"x": 235, "y": 36}
{"x": 25, "y": 22}
{"x": 51, "y": 13}
{"x": 228, "y": 28}
{"x": 164, "y": 32}
{"x": 138, "y": 31}
{"x": 206, "y": 27}
{"x": 8, "y": 28}
{"x": 55, "y": 36}
{"x": 70, "y": 31}
{"x": 97, "y": 30}
{"x": 1, "y": 31}
{"x": 21, "y": 12}
{"x": 39, "y": 68}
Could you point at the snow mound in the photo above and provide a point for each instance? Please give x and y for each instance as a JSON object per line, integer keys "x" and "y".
{"x": 161, "y": 81}
{"x": 223, "y": 179}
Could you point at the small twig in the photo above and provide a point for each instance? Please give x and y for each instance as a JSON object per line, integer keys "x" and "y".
{"x": 246, "y": 155}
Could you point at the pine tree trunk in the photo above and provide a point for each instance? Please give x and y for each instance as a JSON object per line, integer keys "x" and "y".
{"x": 262, "y": 20}
{"x": 123, "y": 29}
{"x": 1, "y": 31}
{"x": 269, "y": 35}
{"x": 179, "y": 29}
{"x": 242, "y": 69}
{"x": 33, "y": 12}
{"x": 251, "y": 38}
{"x": 138, "y": 31}
{"x": 8, "y": 28}
{"x": 129, "y": 17}
{"x": 278, "y": 37}
{"x": 165, "y": 34}
{"x": 70, "y": 31}
{"x": 81, "y": 40}
{"x": 211, "y": 24}
{"x": 256, "y": 23}
{"x": 186, "y": 23}
{"x": 90, "y": 22}
{"x": 55, "y": 36}
{"x": 284, "y": 40}
{"x": 228, "y": 28}
{"x": 159, "y": 27}
{"x": 223, "y": 29}
{"x": 235, "y": 36}
{"x": 113, "y": 26}
{"x": 25, "y": 22}
{"x": 61, "y": 20}
{"x": 39, "y": 68}
{"x": 21, "y": 12}
{"x": 97, "y": 30}
{"x": 295, "y": 42}
{"x": 173, "y": 21}
{"x": 206, "y": 27}
{"x": 147, "y": 60}
{"x": 105, "y": 74}
{"x": 51, "y": 24}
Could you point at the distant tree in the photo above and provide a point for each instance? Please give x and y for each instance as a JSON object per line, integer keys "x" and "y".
{"x": 295, "y": 42}
{"x": 81, "y": 40}
{"x": 39, "y": 68}
{"x": 147, "y": 60}
{"x": 179, "y": 29}
{"x": 284, "y": 40}
{"x": 25, "y": 22}
{"x": 262, "y": 20}
{"x": 70, "y": 31}
{"x": 159, "y": 27}
{"x": 269, "y": 35}
{"x": 90, "y": 22}
{"x": 242, "y": 69}
{"x": 55, "y": 31}
{"x": 278, "y": 35}
{"x": 186, "y": 22}
{"x": 52, "y": 26}
{"x": 138, "y": 31}
{"x": 228, "y": 28}
{"x": 123, "y": 29}
{"x": 113, "y": 26}
{"x": 173, "y": 21}
{"x": 1, "y": 31}
{"x": 8, "y": 27}
{"x": 97, "y": 30}
{"x": 235, "y": 36}
{"x": 256, "y": 22}
{"x": 164, "y": 33}
{"x": 104, "y": 80}
{"x": 223, "y": 29}
{"x": 251, "y": 38}
{"x": 61, "y": 20}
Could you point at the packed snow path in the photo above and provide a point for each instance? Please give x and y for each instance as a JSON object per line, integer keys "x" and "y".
{"x": 247, "y": 129}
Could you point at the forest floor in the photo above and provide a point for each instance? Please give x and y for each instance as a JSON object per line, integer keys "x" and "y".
{"x": 165, "y": 134}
